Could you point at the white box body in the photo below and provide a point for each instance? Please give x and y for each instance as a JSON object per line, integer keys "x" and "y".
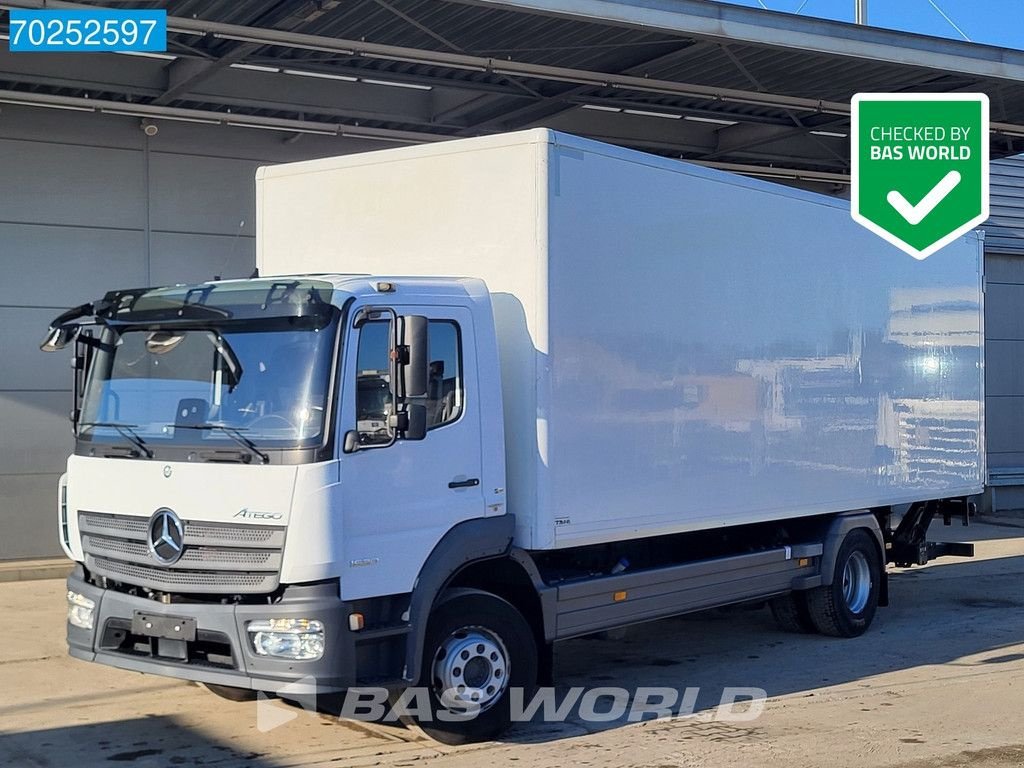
{"x": 681, "y": 348}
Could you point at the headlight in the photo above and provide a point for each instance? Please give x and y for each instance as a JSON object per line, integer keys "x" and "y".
{"x": 301, "y": 639}
{"x": 80, "y": 610}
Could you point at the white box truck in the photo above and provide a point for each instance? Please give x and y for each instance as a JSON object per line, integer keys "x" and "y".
{"x": 485, "y": 395}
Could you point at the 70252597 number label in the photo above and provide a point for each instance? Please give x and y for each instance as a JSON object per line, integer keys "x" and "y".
{"x": 78, "y": 31}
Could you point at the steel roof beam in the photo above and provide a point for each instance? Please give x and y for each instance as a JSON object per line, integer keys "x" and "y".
{"x": 740, "y": 138}
{"x": 419, "y": 25}
{"x": 755, "y": 81}
{"x": 638, "y": 139}
{"x": 215, "y": 118}
{"x": 362, "y": 49}
{"x": 230, "y": 87}
{"x": 686, "y": 138}
{"x": 561, "y": 102}
{"x": 723, "y": 21}
{"x": 185, "y": 74}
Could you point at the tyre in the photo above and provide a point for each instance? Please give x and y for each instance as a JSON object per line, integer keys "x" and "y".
{"x": 791, "y": 613}
{"x": 230, "y": 693}
{"x": 478, "y": 648}
{"x": 846, "y": 607}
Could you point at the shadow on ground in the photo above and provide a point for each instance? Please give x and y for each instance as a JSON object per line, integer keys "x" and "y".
{"x": 149, "y": 742}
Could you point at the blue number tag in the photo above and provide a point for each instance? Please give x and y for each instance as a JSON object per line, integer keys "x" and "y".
{"x": 81, "y": 31}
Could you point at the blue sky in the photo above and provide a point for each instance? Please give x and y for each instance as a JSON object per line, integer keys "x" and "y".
{"x": 996, "y": 22}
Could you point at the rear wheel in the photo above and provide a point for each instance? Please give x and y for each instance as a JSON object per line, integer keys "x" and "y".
{"x": 846, "y": 607}
{"x": 791, "y": 613}
{"x": 478, "y": 649}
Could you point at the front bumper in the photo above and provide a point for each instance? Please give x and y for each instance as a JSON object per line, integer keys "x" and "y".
{"x": 222, "y": 653}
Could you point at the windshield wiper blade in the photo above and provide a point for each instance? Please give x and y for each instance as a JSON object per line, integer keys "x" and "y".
{"x": 234, "y": 433}
{"x": 126, "y": 431}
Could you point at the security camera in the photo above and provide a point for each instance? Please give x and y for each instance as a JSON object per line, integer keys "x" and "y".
{"x": 150, "y": 129}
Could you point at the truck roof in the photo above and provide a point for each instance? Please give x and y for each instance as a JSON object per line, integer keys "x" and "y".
{"x": 540, "y": 136}
{"x": 408, "y": 289}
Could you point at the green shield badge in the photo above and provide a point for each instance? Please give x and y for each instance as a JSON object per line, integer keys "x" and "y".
{"x": 920, "y": 167}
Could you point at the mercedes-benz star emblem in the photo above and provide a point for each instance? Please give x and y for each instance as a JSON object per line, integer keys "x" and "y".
{"x": 167, "y": 470}
{"x": 166, "y": 536}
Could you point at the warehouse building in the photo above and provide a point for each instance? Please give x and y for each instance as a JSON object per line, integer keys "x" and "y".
{"x": 1004, "y": 335}
{"x": 123, "y": 171}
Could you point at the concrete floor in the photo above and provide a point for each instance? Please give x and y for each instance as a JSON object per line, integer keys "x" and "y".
{"x": 935, "y": 682}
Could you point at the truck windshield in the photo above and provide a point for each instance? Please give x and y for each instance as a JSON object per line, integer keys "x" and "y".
{"x": 262, "y": 383}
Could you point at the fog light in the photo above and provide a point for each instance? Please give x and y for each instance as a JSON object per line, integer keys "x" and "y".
{"x": 80, "y": 610}
{"x": 301, "y": 639}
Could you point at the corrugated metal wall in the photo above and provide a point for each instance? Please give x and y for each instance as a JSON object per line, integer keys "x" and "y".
{"x": 89, "y": 203}
{"x": 1004, "y": 334}
{"x": 1004, "y": 231}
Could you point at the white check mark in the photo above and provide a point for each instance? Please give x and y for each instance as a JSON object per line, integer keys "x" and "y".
{"x": 915, "y": 214}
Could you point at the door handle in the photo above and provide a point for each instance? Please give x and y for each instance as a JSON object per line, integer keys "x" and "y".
{"x": 464, "y": 483}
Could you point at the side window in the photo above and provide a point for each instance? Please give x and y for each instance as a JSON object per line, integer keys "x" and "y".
{"x": 445, "y": 392}
{"x": 374, "y": 394}
{"x": 374, "y": 398}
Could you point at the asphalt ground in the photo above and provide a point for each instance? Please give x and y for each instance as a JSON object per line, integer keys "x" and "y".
{"x": 937, "y": 681}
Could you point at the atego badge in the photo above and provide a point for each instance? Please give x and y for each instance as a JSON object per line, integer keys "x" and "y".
{"x": 920, "y": 167}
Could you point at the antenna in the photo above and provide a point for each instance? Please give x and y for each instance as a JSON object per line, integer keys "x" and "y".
{"x": 952, "y": 23}
{"x": 241, "y": 226}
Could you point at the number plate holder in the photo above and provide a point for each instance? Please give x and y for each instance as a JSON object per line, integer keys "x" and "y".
{"x": 169, "y": 627}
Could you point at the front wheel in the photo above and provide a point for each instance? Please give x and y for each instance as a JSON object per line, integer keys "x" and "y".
{"x": 846, "y": 607}
{"x": 791, "y": 613}
{"x": 478, "y": 649}
{"x": 230, "y": 693}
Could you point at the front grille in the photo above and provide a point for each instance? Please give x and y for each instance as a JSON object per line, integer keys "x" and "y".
{"x": 173, "y": 580}
{"x": 217, "y": 557}
{"x": 210, "y": 558}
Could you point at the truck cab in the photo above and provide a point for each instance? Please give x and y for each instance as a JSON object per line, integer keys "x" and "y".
{"x": 262, "y": 469}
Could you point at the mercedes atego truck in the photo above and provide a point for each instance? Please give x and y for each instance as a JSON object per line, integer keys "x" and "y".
{"x": 489, "y": 394}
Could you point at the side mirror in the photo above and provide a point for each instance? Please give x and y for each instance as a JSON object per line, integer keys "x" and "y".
{"x": 58, "y": 338}
{"x": 411, "y": 422}
{"x": 351, "y": 444}
{"x": 162, "y": 342}
{"x": 415, "y": 422}
{"x": 415, "y": 355}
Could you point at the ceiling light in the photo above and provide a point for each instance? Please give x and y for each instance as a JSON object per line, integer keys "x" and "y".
{"x": 255, "y": 67}
{"x": 281, "y": 128}
{"x": 123, "y": 113}
{"x": 647, "y": 113}
{"x": 601, "y": 108}
{"x": 147, "y": 55}
{"x": 321, "y": 75}
{"x": 140, "y": 113}
{"x": 714, "y": 120}
{"x": 369, "y": 137}
{"x": 189, "y": 120}
{"x": 415, "y": 86}
{"x": 833, "y": 134}
{"x": 47, "y": 106}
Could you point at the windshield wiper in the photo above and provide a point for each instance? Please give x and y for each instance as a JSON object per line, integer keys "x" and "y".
{"x": 126, "y": 431}
{"x": 233, "y": 432}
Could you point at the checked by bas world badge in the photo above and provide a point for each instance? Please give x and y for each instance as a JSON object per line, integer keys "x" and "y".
{"x": 920, "y": 167}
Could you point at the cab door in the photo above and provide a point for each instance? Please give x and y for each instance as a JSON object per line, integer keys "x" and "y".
{"x": 399, "y": 498}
